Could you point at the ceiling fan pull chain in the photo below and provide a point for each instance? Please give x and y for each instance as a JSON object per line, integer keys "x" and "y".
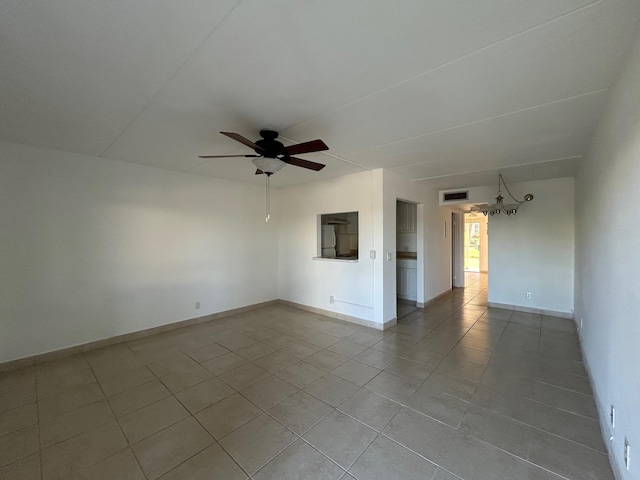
{"x": 268, "y": 199}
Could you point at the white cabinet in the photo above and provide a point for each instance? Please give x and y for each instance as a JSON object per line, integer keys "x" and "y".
{"x": 413, "y": 284}
{"x": 403, "y": 282}
{"x": 407, "y": 279}
{"x": 406, "y": 217}
{"x": 401, "y": 217}
{"x": 412, "y": 218}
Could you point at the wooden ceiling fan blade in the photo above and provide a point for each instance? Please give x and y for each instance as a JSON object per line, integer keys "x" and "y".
{"x": 259, "y": 172}
{"x": 299, "y": 162}
{"x": 228, "y": 156}
{"x": 239, "y": 138}
{"x": 306, "y": 147}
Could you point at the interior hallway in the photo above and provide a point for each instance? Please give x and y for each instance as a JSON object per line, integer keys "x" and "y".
{"x": 455, "y": 391}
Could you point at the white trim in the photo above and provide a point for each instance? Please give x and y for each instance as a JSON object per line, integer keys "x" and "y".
{"x": 336, "y": 259}
{"x": 127, "y": 337}
{"x": 539, "y": 311}
{"x": 342, "y": 316}
{"x": 603, "y": 415}
{"x": 86, "y": 347}
{"x": 457, "y": 249}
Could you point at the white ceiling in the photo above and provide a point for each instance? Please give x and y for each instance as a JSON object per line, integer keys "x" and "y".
{"x": 450, "y": 91}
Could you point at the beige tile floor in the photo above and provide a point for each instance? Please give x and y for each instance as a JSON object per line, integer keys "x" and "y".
{"x": 456, "y": 391}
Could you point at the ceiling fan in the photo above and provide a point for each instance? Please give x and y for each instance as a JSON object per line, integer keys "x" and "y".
{"x": 271, "y": 155}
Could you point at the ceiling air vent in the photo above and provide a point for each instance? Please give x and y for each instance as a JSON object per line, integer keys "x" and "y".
{"x": 454, "y": 196}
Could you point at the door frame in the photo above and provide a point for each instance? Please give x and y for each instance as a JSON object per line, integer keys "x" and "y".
{"x": 457, "y": 250}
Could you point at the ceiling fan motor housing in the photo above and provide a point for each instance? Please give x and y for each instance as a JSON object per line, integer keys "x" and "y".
{"x": 269, "y": 146}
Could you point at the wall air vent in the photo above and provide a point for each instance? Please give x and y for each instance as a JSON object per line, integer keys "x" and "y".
{"x": 455, "y": 196}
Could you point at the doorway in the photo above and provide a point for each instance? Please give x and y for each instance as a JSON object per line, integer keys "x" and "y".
{"x": 475, "y": 243}
{"x": 406, "y": 258}
{"x": 469, "y": 248}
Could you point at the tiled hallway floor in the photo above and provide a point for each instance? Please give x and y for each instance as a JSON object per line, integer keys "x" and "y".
{"x": 456, "y": 391}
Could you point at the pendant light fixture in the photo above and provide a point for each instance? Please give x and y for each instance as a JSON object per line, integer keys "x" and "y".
{"x": 500, "y": 206}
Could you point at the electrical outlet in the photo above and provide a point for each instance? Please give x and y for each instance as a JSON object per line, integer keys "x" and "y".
{"x": 528, "y": 295}
{"x": 332, "y": 299}
{"x": 197, "y": 305}
{"x": 372, "y": 254}
{"x": 627, "y": 454}
{"x": 612, "y": 416}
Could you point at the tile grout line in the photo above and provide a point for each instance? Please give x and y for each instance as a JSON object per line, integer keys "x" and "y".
{"x": 115, "y": 417}
{"x": 35, "y": 379}
{"x": 453, "y": 311}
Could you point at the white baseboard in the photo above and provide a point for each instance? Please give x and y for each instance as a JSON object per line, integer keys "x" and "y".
{"x": 539, "y": 311}
{"x": 86, "y": 347}
{"x": 434, "y": 299}
{"x": 603, "y": 414}
{"x": 342, "y": 316}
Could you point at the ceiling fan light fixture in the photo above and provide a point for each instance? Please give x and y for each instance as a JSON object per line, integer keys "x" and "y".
{"x": 268, "y": 165}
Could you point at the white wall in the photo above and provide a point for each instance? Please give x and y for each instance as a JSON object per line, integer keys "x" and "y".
{"x": 533, "y": 251}
{"x": 608, "y": 264}
{"x": 311, "y": 282}
{"x": 397, "y": 188}
{"x": 437, "y": 246}
{"x": 367, "y": 289}
{"x": 93, "y": 248}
